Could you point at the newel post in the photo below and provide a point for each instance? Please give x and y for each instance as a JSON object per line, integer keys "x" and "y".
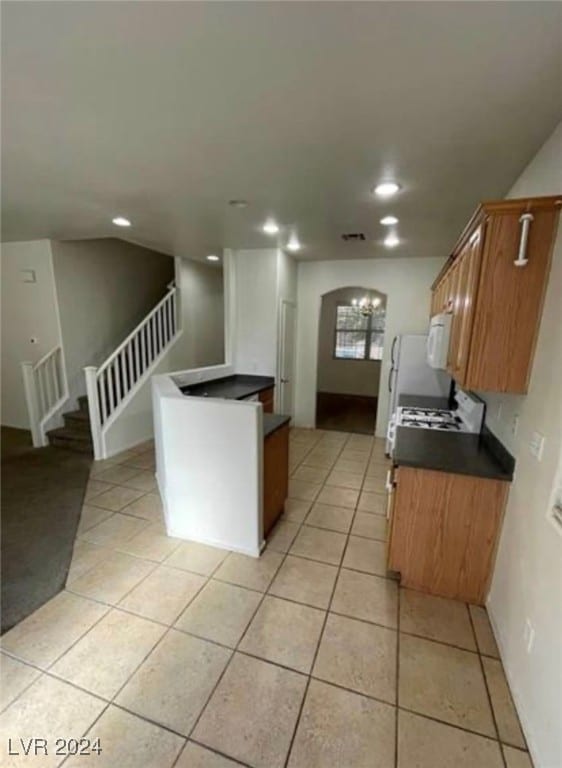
{"x": 94, "y": 409}
{"x": 32, "y": 404}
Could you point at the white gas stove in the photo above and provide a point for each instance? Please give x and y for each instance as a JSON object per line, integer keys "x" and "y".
{"x": 429, "y": 418}
{"x": 468, "y": 416}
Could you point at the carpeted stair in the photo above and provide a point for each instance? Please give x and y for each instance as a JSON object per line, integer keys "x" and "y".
{"x": 76, "y": 434}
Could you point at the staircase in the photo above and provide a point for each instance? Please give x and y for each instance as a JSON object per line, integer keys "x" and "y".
{"x": 76, "y": 433}
{"x": 110, "y": 388}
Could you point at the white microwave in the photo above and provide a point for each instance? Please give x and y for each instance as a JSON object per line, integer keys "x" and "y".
{"x": 438, "y": 341}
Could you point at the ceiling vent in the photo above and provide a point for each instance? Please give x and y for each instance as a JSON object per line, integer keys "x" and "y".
{"x": 353, "y": 237}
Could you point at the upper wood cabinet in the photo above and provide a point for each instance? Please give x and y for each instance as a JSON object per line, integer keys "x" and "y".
{"x": 496, "y": 304}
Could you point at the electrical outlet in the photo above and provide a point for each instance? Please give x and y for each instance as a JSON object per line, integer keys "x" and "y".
{"x": 529, "y": 635}
{"x": 514, "y": 424}
{"x": 536, "y": 445}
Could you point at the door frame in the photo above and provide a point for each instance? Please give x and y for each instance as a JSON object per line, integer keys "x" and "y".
{"x": 280, "y": 345}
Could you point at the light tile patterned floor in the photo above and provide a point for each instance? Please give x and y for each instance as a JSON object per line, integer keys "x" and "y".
{"x": 179, "y": 654}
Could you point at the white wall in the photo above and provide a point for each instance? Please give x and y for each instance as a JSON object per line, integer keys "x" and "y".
{"x": 105, "y": 287}
{"x": 202, "y": 311}
{"x": 527, "y": 582}
{"x": 28, "y": 310}
{"x": 406, "y": 283}
{"x": 286, "y": 277}
{"x": 255, "y": 273}
{"x": 338, "y": 376}
{"x": 256, "y": 282}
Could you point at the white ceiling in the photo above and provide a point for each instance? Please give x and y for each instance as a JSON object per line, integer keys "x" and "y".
{"x": 163, "y": 111}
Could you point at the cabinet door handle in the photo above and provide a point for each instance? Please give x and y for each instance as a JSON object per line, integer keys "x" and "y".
{"x": 285, "y": 381}
{"x": 522, "y": 259}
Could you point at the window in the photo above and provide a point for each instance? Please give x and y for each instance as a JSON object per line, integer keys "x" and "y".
{"x": 358, "y": 336}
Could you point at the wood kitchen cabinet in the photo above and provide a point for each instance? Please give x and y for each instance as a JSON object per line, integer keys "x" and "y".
{"x": 444, "y": 530}
{"x": 275, "y": 476}
{"x": 496, "y": 304}
{"x": 266, "y": 399}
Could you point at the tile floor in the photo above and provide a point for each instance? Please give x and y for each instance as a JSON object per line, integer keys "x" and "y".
{"x": 178, "y": 654}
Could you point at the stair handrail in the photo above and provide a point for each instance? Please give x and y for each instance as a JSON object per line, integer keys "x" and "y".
{"x": 46, "y": 390}
{"x": 143, "y": 323}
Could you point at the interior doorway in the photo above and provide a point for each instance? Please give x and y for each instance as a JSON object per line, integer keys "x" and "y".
{"x": 350, "y": 349}
{"x": 287, "y": 338}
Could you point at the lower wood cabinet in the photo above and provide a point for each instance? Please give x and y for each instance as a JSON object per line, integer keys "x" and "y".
{"x": 275, "y": 476}
{"x": 444, "y": 530}
{"x": 266, "y": 399}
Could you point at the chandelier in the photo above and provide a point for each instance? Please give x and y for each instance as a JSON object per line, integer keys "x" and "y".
{"x": 366, "y": 306}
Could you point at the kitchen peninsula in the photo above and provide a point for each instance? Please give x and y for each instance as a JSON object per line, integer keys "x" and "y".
{"x": 221, "y": 456}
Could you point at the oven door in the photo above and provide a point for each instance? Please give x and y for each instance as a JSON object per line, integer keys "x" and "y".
{"x": 391, "y": 434}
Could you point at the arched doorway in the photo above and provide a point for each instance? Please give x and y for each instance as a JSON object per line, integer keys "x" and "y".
{"x": 350, "y": 349}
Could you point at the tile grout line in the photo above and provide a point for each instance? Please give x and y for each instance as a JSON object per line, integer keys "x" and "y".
{"x": 235, "y": 650}
{"x": 488, "y": 695}
{"x": 112, "y": 701}
{"x": 397, "y": 659}
{"x": 227, "y": 666}
{"x": 307, "y": 685}
{"x": 317, "y": 649}
{"x": 266, "y": 593}
{"x": 281, "y": 666}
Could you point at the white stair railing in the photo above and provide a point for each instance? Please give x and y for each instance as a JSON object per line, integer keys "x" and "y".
{"x": 111, "y": 386}
{"x": 46, "y": 390}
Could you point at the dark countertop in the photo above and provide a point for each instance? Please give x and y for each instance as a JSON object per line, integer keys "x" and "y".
{"x": 273, "y": 421}
{"x": 462, "y": 453}
{"x": 235, "y": 387}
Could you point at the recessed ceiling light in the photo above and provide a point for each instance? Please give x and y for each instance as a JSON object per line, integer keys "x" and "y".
{"x": 391, "y": 241}
{"x": 212, "y": 257}
{"x": 387, "y": 189}
{"x": 293, "y": 244}
{"x": 238, "y": 203}
{"x": 389, "y": 221}
{"x": 270, "y": 227}
{"x": 121, "y": 221}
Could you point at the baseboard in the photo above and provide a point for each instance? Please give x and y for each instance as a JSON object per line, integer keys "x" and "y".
{"x": 515, "y": 693}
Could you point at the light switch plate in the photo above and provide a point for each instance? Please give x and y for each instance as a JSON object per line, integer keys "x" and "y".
{"x": 529, "y": 635}
{"x": 515, "y": 424}
{"x": 28, "y": 276}
{"x": 536, "y": 445}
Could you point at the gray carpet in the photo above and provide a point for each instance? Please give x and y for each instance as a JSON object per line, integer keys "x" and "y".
{"x": 42, "y": 494}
